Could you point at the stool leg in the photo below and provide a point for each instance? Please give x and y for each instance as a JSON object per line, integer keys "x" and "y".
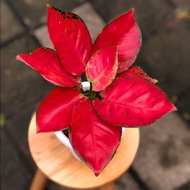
{"x": 109, "y": 186}
{"x": 39, "y": 181}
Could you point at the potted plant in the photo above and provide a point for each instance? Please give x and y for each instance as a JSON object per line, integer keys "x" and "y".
{"x": 98, "y": 90}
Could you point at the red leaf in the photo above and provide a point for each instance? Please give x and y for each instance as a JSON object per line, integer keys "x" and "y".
{"x": 54, "y": 113}
{"x": 71, "y": 39}
{"x": 47, "y": 63}
{"x": 137, "y": 72}
{"x": 132, "y": 102}
{"x": 124, "y": 33}
{"x": 102, "y": 68}
{"x": 94, "y": 140}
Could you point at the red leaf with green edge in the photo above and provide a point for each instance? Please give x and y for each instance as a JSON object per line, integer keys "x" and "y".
{"x": 124, "y": 33}
{"x": 47, "y": 63}
{"x": 54, "y": 113}
{"x": 71, "y": 39}
{"x": 102, "y": 68}
{"x": 132, "y": 102}
{"x": 137, "y": 72}
{"x": 94, "y": 140}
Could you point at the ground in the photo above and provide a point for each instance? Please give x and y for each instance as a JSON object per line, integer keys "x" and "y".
{"x": 162, "y": 162}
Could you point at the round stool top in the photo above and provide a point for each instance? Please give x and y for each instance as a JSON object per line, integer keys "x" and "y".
{"x": 58, "y": 164}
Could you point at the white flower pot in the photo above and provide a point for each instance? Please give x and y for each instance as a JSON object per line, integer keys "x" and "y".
{"x": 65, "y": 140}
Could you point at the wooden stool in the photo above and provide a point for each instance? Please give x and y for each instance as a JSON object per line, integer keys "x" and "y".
{"x": 55, "y": 162}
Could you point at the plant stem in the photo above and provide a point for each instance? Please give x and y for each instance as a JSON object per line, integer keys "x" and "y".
{"x": 92, "y": 94}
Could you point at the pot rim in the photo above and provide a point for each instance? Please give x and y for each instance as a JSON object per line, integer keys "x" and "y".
{"x": 64, "y": 139}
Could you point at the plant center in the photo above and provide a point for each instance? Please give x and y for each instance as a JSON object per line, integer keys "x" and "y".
{"x": 87, "y": 90}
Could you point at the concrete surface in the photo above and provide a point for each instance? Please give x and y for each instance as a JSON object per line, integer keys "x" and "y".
{"x": 163, "y": 159}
